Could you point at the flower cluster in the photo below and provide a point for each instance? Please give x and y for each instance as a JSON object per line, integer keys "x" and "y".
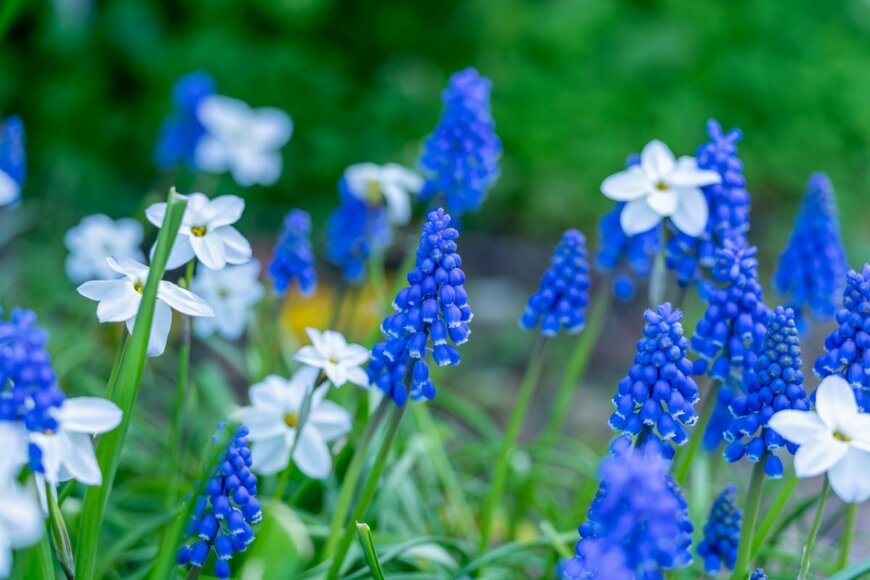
{"x": 812, "y": 268}
{"x": 721, "y": 532}
{"x": 213, "y": 133}
{"x": 433, "y": 309}
{"x": 847, "y": 347}
{"x": 728, "y": 203}
{"x": 460, "y": 158}
{"x": 775, "y": 384}
{"x": 638, "y": 524}
{"x": 730, "y": 333}
{"x": 293, "y": 258}
{"x": 96, "y": 238}
{"x": 658, "y": 395}
{"x": 560, "y": 303}
{"x": 13, "y": 165}
{"x": 223, "y": 515}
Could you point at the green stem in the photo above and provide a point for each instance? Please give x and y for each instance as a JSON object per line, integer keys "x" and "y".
{"x": 773, "y": 513}
{"x": 367, "y": 494}
{"x": 351, "y": 477}
{"x": 378, "y": 280}
{"x": 750, "y": 515}
{"x": 499, "y": 479}
{"x": 59, "y": 535}
{"x": 174, "y": 441}
{"x": 44, "y": 561}
{"x": 848, "y": 535}
{"x": 116, "y": 366}
{"x": 371, "y": 555}
{"x": 684, "y": 460}
{"x": 814, "y": 531}
{"x": 577, "y": 364}
{"x": 337, "y": 303}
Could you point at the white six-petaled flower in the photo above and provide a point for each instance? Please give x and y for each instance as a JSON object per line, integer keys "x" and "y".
{"x": 20, "y": 517}
{"x": 206, "y": 231}
{"x": 276, "y": 415}
{"x": 661, "y": 187}
{"x": 96, "y": 238}
{"x": 241, "y": 140}
{"x": 119, "y": 301}
{"x": 833, "y": 439}
{"x": 231, "y": 292}
{"x": 340, "y": 361}
{"x": 390, "y": 185}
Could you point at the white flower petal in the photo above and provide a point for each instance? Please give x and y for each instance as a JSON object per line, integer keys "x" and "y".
{"x": 10, "y": 191}
{"x": 357, "y": 376}
{"x": 398, "y": 204}
{"x": 663, "y": 203}
{"x": 237, "y": 248}
{"x": 798, "y": 427}
{"x": 270, "y": 455}
{"x": 14, "y": 438}
{"x": 818, "y": 456}
{"x": 211, "y": 155}
{"x": 656, "y": 160}
{"x": 21, "y": 522}
{"x": 81, "y": 462}
{"x": 850, "y": 477}
{"x": 209, "y": 249}
{"x": 317, "y": 339}
{"x": 270, "y": 128}
{"x": 91, "y": 415}
{"x": 638, "y": 217}
{"x": 312, "y": 455}
{"x": 337, "y": 374}
{"x": 835, "y": 403}
{"x": 859, "y": 431}
{"x": 262, "y": 423}
{"x": 181, "y": 253}
{"x": 692, "y": 212}
{"x": 160, "y": 327}
{"x": 308, "y": 355}
{"x": 183, "y": 300}
{"x": 121, "y": 308}
{"x": 222, "y": 211}
{"x": 627, "y": 185}
{"x": 252, "y": 167}
{"x": 267, "y": 394}
{"x": 330, "y": 420}
{"x": 106, "y": 289}
{"x": 156, "y": 213}
{"x": 128, "y": 267}
{"x": 222, "y": 116}
{"x": 687, "y": 174}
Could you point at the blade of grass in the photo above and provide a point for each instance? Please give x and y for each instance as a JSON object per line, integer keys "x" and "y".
{"x": 125, "y": 393}
{"x": 368, "y": 546}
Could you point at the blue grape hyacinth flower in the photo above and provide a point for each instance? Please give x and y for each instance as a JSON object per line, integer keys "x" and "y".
{"x": 460, "y": 158}
{"x": 728, "y": 203}
{"x": 431, "y": 313}
{"x": 293, "y": 258}
{"x": 657, "y": 397}
{"x": 731, "y": 331}
{"x": 847, "y": 347}
{"x": 13, "y": 160}
{"x": 812, "y": 268}
{"x": 182, "y": 130}
{"x": 560, "y": 302}
{"x": 721, "y": 533}
{"x": 638, "y": 524}
{"x": 223, "y": 515}
{"x": 758, "y": 575}
{"x": 355, "y": 230}
{"x": 775, "y": 384}
{"x": 29, "y": 392}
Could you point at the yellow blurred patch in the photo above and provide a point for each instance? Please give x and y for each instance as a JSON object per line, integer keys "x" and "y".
{"x": 358, "y": 317}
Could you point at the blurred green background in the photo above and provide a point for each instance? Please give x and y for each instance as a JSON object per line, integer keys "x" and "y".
{"x": 577, "y": 86}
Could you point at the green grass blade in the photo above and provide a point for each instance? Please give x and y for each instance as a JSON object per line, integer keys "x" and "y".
{"x": 857, "y": 570}
{"x": 125, "y": 392}
{"x": 368, "y": 546}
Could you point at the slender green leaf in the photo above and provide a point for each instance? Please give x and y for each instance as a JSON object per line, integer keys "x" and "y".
{"x": 368, "y": 546}
{"x": 857, "y": 570}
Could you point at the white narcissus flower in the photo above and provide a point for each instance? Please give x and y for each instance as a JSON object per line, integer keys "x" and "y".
{"x": 274, "y": 419}
{"x": 206, "y": 231}
{"x": 661, "y": 187}
{"x": 232, "y": 292}
{"x": 241, "y": 140}
{"x": 340, "y": 361}
{"x": 833, "y": 439}
{"x": 96, "y": 238}
{"x": 119, "y": 301}
{"x": 20, "y": 517}
{"x": 390, "y": 184}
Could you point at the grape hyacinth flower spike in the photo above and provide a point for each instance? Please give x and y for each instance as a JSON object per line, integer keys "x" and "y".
{"x": 293, "y": 258}
{"x": 560, "y": 303}
{"x": 656, "y": 399}
{"x": 721, "y": 533}
{"x": 847, "y": 347}
{"x": 460, "y": 159}
{"x": 812, "y": 268}
{"x": 13, "y": 166}
{"x": 776, "y": 384}
{"x": 638, "y": 524}
{"x": 727, "y": 200}
{"x": 431, "y": 313}
{"x": 224, "y": 514}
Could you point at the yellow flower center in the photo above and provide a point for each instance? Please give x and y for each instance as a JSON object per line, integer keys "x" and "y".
{"x": 291, "y": 419}
{"x": 198, "y": 231}
{"x": 373, "y": 192}
{"x": 333, "y": 360}
{"x": 662, "y": 186}
{"x": 139, "y": 286}
{"x": 223, "y": 293}
{"x": 840, "y": 436}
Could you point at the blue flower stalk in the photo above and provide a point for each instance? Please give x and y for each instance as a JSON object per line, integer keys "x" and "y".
{"x": 847, "y": 347}
{"x": 560, "y": 302}
{"x": 729, "y": 335}
{"x": 656, "y": 398}
{"x": 812, "y": 267}
{"x": 224, "y": 514}
{"x": 182, "y": 130}
{"x": 721, "y": 533}
{"x": 728, "y": 203}
{"x": 293, "y": 259}
{"x": 432, "y": 315}
{"x": 638, "y": 525}
{"x": 461, "y": 157}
